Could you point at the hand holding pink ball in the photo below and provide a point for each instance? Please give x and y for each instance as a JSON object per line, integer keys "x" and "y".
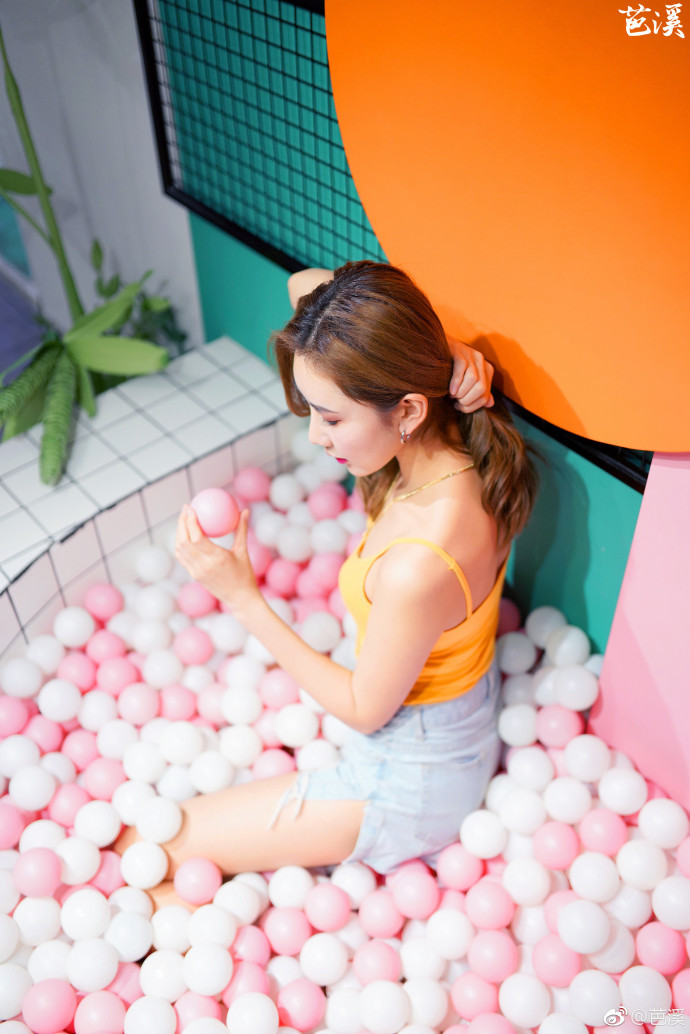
{"x": 216, "y": 511}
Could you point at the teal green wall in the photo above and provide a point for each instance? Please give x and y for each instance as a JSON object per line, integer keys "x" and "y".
{"x": 574, "y": 551}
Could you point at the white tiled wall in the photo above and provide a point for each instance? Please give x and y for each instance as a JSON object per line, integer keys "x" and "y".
{"x": 153, "y": 444}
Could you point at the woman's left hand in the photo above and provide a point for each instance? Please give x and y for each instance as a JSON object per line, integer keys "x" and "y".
{"x": 226, "y": 573}
{"x": 470, "y": 383}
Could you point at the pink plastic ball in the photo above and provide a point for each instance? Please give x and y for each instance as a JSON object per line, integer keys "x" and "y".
{"x": 556, "y": 845}
{"x": 473, "y": 996}
{"x": 509, "y": 619}
{"x": 376, "y": 960}
{"x": 66, "y": 802}
{"x": 379, "y": 915}
{"x": 216, "y": 511}
{"x": 49, "y": 1006}
{"x": 252, "y": 483}
{"x": 109, "y": 876}
{"x": 490, "y": 1023}
{"x": 416, "y": 894}
{"x": 324, "y": 569}
{"x": 301, "y": 1004}
{"x": 557, "y": 726}
{"x": 102, "y": 776}
{"x": 98, "y": 1012}
{"x": 260, "y": 556}
{"x": 553, "y": 905}
{"x": 103, "y": 601}
{"x": 177, "y": 703}
{"x": 327, "y": 907}
{"x": 493, "y": 955}
{"x": 104, "y": 644}
{"x": 195, "y": 600}
{"x": 251, "y": 945}
{"x": 554, "y": 962}
{"x": 246, "y": 977}
{"x": 603, "y": 831}
{"x": 196, "y": 880}
{"x": 660, "y": 947}
{"x": 273, "y": 762}
{"x": 44, "y": 732}
{"x": 115, "y": 673}
{"x": 208, "y": 704}
{"x": 457, "y": 868}
{"x": 278, "y": 689}
{"x": 38, "y": 872}
{"x": 488, "y": 905}
{"x": 14, "y": 714}
{"x": 138, "y": 703}
{"x": 327, "y": 501}
{"x": 80, "y": 747}
{"x": 193, "y": 646}
{"x": 191, "y": 1006}
{"x": 282, "y": 576}
{"x": 287, "y": 930}
{"x": 78, "y": 668}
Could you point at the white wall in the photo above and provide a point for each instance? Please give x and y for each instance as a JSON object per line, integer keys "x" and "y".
{"x": 78, "y": 66}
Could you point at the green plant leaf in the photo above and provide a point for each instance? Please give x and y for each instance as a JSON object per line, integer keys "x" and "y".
{"x": 120, "y": 355}
{"x": 96, "y": 255}
{"x": 17, "y": 182}
{"x": 87, "y": 399}
{"x": 29, "y": 415}
{"x": 104, "y": 317}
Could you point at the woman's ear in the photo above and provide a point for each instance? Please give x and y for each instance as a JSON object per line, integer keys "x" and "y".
{"x": 414, "y": 409}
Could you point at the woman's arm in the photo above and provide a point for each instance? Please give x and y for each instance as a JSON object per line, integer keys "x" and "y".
{"x": 404, "y": 623}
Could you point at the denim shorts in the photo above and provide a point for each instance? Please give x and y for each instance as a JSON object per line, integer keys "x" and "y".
{"x": 420, "y": 775}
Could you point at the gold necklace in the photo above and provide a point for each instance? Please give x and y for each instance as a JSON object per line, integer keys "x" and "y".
{"x": 436, "y": 481}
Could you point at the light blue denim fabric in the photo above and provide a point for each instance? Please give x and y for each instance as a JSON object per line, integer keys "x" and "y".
{"x": 420, "y": 775}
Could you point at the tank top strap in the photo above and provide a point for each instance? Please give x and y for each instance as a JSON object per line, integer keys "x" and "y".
{"x": 440, "y": 552}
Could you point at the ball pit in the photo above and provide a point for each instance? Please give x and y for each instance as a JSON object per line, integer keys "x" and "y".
{"x": 564, "y": 899}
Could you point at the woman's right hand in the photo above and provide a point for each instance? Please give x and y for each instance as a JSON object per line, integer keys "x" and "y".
{"x": 470, "y": 383}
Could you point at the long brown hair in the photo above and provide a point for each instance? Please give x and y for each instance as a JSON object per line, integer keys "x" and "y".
{"x": 374, "y": 333}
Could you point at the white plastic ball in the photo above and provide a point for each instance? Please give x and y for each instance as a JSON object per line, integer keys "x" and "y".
{"x": 171, "y": 929}
{"x": 14, "y": 983}
{"x": 328, "y": 536}
{"x": 295, "y": 725}
{"x": 631, "y": 906}
{"x": 583, "y": 926}
{"x": 663, "y": 822}
{"x": 324, "y": 959}
{"x": 207, "y": 968}
{"x": 594, "y": 876}
{"x": 85, "y": 913}
{"x": 483, "y": 834}
{"x": 517, "y": 725}
{"x": 642, "y": 864}
{"x": 522, "y": 811}
{"x": 384, "y": 1007}
{"x": 32, "y": 788}
{"x": 211, "y": 771}
{"x": 211, "y": 924}
{"x": 541, "y": 622}
{"x": 37, "y": 919}
{"x": 321, "y": 631}
{"x": 576, "y": 687}
{"x": 622, "y": 790}
{"x": 240, "y": 744}
{"x": 619, "y": 951}
{"x": 144, "y": 865}
{"x": 515, "y": 653}
{"x": 161, "y": 975}
{"x": 91, "y": 964}
{"x": 97, "y": 821}
{"x": 73, "y": 626}
{"x": 671, "y": 902}
{"x": 592, "y": 995}
{"x": 252, "y": 1013}
{"x": 524, "y": 1000}
{"x": 241, "y": 705}
{"x": 587, "y": 757}
{"x": 567, "y": 799}
{"x": 567, "y": 645}
{"x": 130, "y": 934}
{"x": 46, "y": 651}
{"x": 162, "y": 668}
{"x": 96, "y": 708}
{"x": 289, "y": 885}
{"x": 153, "y": 564}
{"x": 21, "y": 677}
{"x": 643, "y": 988}
{"x": 146, "y": 1015}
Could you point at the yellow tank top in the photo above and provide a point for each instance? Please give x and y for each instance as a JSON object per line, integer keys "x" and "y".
{"x": 461, "y": 655}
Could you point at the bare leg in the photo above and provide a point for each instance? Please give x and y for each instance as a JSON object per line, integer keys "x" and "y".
{"x": 231, "y": 827}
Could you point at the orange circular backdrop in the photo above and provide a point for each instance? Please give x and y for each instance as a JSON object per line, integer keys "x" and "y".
{"x": 529, "y": 165}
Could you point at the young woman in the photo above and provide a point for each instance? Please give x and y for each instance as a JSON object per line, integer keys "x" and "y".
{"x": 366, "y": 357}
